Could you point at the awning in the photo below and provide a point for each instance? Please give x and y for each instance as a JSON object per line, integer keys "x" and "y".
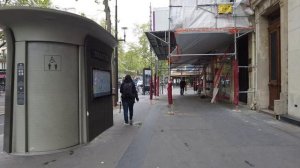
{"x": 196, "y": 46}
{"x": 159, "y": 43}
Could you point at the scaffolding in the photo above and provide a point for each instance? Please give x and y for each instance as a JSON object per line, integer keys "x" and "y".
{"x": 219, "y": 23}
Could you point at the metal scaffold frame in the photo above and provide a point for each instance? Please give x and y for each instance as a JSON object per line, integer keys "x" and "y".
{"x": 236, "y": 33}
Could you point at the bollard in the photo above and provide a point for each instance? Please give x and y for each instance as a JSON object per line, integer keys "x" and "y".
{"x": 154, "y": 85}
{"x": 170, "y": 99}
{"x": 151, "y": 87}
{"x": 236, "y": 82}
{"x": 157, "y": 86}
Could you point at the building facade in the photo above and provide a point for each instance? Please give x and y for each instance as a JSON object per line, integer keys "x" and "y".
{"x": 293, "y": 58}
{"x": 277, "y": 33}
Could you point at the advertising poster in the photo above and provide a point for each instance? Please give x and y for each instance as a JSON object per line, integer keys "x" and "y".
{"x": 147, "y": 77}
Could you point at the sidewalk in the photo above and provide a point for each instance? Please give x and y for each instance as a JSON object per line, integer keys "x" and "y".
{"x": 2, "y": 110}
{"x": 2, "y": 105}
{"x": 199, "y": 134}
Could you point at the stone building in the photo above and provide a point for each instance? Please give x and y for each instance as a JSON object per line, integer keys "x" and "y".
{"x": 293, "y": 53}
{"x": 277, "y": 57}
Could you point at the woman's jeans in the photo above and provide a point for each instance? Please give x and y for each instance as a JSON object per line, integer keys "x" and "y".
{"x": 126, "y": 106}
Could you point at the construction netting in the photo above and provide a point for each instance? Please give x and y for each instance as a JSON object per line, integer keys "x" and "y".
{"x": 190, "y": 14}
{"x": 201, "y": 29}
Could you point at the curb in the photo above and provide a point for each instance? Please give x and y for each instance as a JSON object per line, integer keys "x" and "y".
{"x": 267, "y": 112}
{"x": 290, "y": 120}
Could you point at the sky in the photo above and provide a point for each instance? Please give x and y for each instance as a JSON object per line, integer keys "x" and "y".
{"x": 130, "y": 12}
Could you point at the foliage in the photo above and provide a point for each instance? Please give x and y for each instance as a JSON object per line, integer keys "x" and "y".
{"x": 82, "y": 14}
{"x": 1, "y": 34}
{"x": 2, "y": 39}
{"x": 102, "y": 23}
{"x": 163, "y": 68}
{"x": 37, "y": 3}
{"x": 138, "y": 55}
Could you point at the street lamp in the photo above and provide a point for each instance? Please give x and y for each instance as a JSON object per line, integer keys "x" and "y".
{"x": 124, "y": 30}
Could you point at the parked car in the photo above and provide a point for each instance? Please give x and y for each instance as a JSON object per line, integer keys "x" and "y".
{"x": 139, "y": 83}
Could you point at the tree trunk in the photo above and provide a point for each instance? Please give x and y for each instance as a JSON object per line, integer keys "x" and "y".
{"x": 107, "y": 14}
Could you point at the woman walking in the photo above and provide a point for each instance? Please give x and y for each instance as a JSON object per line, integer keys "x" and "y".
{"x": 129, "y": 95}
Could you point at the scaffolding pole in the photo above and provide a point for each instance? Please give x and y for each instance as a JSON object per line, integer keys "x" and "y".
{"x": 169, "y": 40}
{"x": 212, "y": 54}
{"x": 170, "y": 99}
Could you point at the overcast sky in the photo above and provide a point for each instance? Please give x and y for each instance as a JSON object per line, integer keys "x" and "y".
{"x": 130, "y": 12}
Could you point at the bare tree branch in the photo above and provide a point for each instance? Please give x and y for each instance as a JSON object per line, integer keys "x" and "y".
{"x": 3, "y": 44}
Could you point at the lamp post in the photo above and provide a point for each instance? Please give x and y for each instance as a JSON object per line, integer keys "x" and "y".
{"x": 124, "y": 31}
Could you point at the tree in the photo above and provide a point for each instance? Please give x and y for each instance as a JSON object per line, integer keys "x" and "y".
{"x": 138, "y": 55}
{"x": 163, "y": 68}
{"x": 107, "y": 14}
{"x": 41, "y": 3}
{"x": 2, "y": 40}
{"x": 37, "y": 3}
{"x": 144, "y": 46}
{"x": 82, "y": 14}
{"x": 4, "y": 2}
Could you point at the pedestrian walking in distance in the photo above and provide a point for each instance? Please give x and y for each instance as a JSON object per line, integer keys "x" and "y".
{"x": 129, "y": 95}
{"x": 182, "y": 86}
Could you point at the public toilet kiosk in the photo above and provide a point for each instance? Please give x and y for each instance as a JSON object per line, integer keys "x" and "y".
{"x": 59, "y": 89}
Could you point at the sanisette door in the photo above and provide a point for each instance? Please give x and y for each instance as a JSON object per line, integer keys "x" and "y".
{"x": 53, "y": 120}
